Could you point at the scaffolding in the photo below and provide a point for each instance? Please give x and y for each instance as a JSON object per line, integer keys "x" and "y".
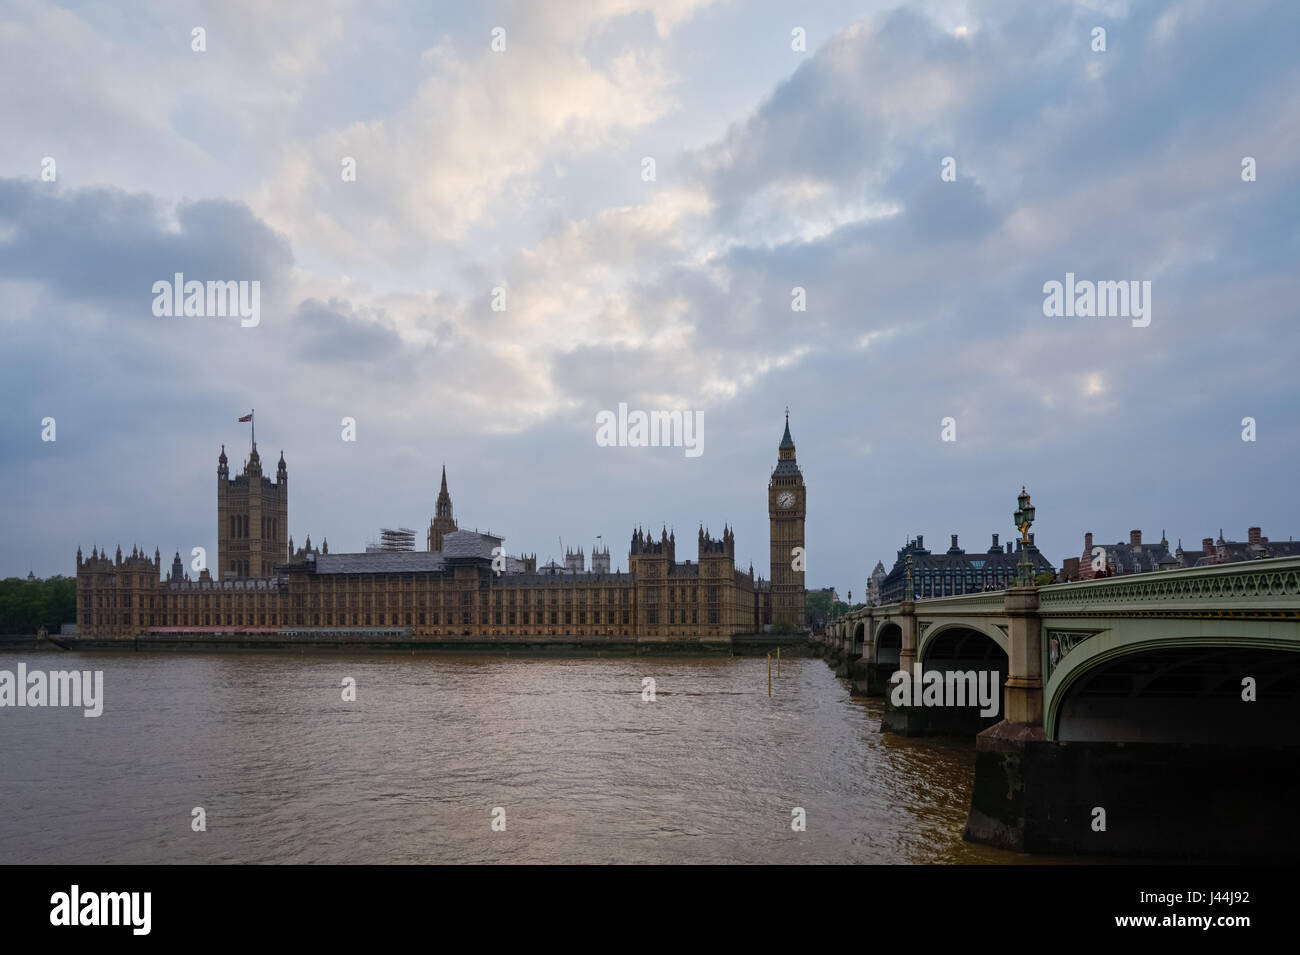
{"x": 401, "y": 538}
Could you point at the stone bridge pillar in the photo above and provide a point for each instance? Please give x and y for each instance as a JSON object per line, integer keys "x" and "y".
{"x": 907, "y": 623}
{"x": 1009, "y": 784}
{"x": 1023, "y": 702}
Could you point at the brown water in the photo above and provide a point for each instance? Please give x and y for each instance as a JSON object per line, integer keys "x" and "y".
{"x": 411, "y": 771}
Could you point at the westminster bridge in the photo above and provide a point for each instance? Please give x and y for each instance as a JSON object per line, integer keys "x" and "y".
{"x": 1150, "y": 713}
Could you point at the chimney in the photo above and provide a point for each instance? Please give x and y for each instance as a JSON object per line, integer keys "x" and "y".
{"x": 1207, "y": 544}
{"x": 1087, "y": 543}
{"x": 1253, "y": 535}
{"x": 920, "y": 542}
{"x": 995, "y": 541}
{"x": 1008, "y": 547}
{"x": 1135, "y": 538}
{"x": 954, "y": 540}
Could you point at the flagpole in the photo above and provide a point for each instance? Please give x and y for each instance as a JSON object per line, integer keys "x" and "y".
{"x": 252, "y": 423}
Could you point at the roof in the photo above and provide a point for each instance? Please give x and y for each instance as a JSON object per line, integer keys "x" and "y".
{"x": 381, "y": 562}
{"x": 1127, "y": 559}
{"x": 459, "y": 544}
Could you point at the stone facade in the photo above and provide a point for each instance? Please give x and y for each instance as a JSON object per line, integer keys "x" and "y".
{"x": 460, "y": 587}
{"x": 252, "y": 519}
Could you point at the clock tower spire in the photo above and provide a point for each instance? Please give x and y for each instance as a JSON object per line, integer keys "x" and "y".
{"x": 786, "y": 509}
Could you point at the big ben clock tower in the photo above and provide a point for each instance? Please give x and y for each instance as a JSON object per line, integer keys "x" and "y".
{"x": 786, "y": 509}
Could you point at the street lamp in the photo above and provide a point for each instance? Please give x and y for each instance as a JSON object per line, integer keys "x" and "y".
{"x": 1024, "y": 518}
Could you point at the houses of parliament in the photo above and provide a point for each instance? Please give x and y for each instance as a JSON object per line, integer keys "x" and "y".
{"x": 463, "y": 585}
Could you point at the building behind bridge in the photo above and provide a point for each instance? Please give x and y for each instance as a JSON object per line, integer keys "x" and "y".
{"x": 955, "y": 571}
{"x": 1135, "y": 557}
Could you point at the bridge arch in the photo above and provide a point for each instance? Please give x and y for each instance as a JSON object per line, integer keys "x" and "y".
{"x": 888, "y": 645}
{"x": 964, "y": 627}
{"x": 967, "y": 647}
{"x": 859, "y": 637}
{"x": 1143, "y": 682}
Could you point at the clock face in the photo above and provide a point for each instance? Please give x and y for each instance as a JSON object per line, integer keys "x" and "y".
{"x": 785, "y": 499}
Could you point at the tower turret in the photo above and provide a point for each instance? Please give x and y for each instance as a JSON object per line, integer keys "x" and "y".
{"x": 787, "y": 510}
{"x": 252, "y": 518}
{"x": 443, "y": 522}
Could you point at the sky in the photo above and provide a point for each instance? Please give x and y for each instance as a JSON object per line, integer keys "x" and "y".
{"x": 920, "y": 171}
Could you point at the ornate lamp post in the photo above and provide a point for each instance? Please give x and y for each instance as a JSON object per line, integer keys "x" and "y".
{"x": 1024, "y": 518}
{"x": 909, "y": 589}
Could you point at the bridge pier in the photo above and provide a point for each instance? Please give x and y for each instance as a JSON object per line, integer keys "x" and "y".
{"x": 1023, "y": 700}
{"x": 907, "y": 623}
{"x": 1196, "y": 802}
{"x": 1000, "y": 809}
{"x": 905, "y": 720}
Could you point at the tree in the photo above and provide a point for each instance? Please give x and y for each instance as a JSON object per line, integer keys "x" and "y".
{"x": 28, "y": 605}
{"x": 817, "y": 608}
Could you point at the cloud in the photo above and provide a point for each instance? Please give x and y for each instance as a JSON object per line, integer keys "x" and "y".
{"x": 521, "y": 170}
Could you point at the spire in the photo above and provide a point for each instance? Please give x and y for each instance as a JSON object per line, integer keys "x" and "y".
{"x": 442, "y": 507}
{"x": 787, "y": 442}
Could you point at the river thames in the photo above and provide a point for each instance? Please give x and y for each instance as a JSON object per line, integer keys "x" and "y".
{"x": 585, "y": 770}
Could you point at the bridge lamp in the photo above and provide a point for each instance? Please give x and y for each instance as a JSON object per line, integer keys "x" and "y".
{"x": 1024, "y": 518}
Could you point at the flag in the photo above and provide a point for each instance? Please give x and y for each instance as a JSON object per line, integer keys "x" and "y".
{"x": 247, "y": 417}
